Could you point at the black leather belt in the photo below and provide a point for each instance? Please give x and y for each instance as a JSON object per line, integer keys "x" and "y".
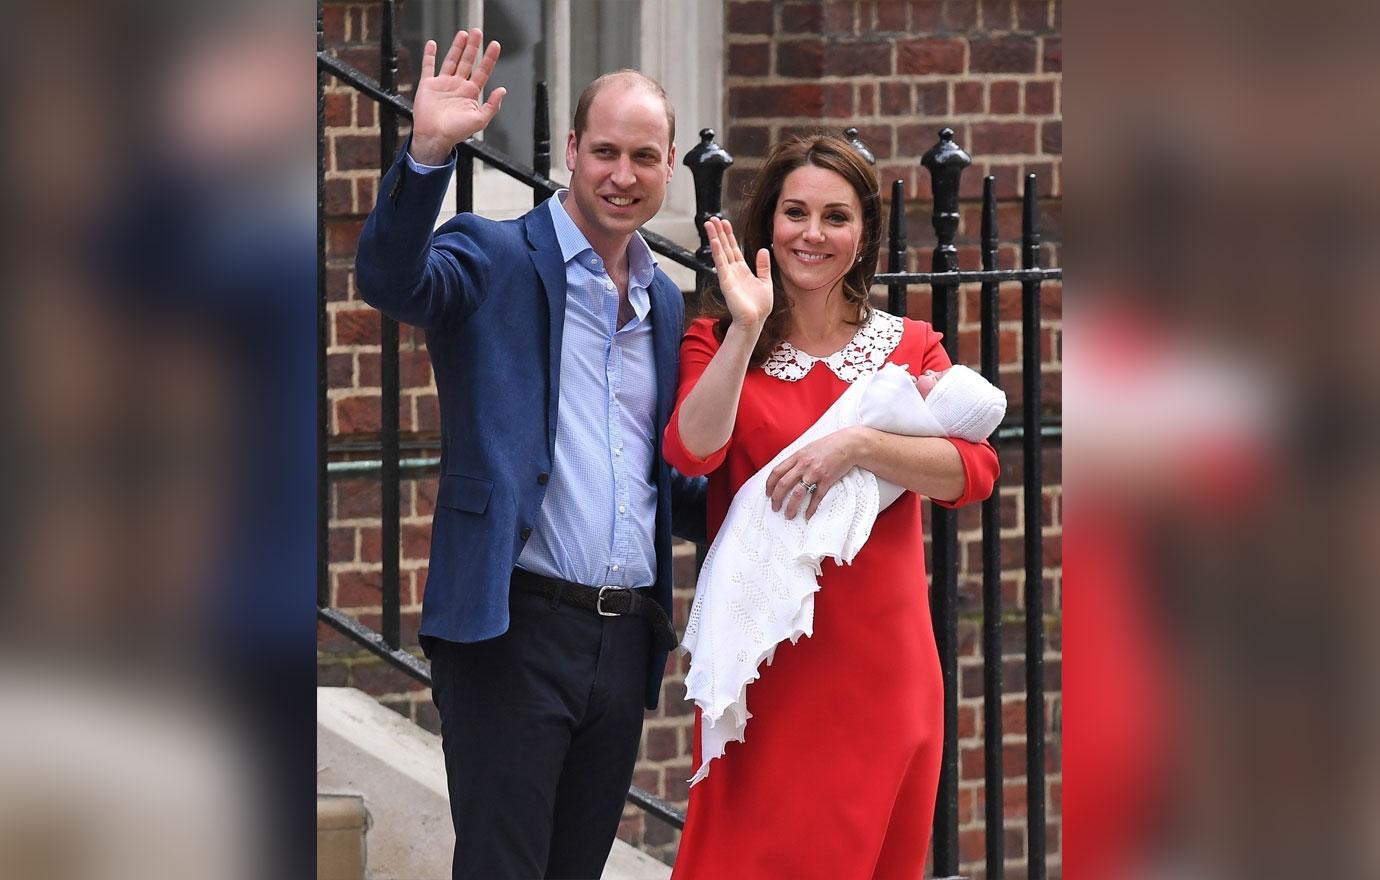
{"x": 605, "y": 601}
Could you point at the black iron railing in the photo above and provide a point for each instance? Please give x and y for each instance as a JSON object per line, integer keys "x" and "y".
{"x": 707, "y": 162}
{"x": 991, "y": 560}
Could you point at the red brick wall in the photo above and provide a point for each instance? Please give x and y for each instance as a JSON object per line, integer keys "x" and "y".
{"x": 897, "y": 71}
{"x": 352, "y": 364}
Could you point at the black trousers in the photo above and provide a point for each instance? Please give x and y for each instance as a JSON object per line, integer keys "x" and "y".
{"x": 540, "y": 729}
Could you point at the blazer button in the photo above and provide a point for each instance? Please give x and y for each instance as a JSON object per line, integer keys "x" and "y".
{"x": 525, "y": 533}
{"x": 542, "y": 478}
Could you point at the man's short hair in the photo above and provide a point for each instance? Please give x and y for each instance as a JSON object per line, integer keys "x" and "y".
{"x": 633, "y": 77}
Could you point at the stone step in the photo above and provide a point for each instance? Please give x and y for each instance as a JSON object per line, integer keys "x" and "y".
{"x": 397, "y": 770}
{"x": 341, "y": 825}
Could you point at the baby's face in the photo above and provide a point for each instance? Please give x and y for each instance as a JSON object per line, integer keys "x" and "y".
{"x": 925, "y": 382}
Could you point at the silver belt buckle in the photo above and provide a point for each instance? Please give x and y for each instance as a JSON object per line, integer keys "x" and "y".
{"x": 599, "y": 602}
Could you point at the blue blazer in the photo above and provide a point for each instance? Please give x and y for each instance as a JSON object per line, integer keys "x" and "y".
{"x": 491, "y": 297}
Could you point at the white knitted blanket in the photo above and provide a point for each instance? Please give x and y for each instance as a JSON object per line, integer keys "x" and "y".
{"x": 758, "y": 582}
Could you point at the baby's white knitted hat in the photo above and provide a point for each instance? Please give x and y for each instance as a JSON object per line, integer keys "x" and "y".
{"x": 967, "y": 405}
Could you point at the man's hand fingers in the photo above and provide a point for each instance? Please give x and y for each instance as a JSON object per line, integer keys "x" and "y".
{"x": 495, "y": 101}
{"x": 486, "y": 65}
{"x": 452, "y": 59}
{"x": 472, "y": 45}
{"x": 429, "y": 60}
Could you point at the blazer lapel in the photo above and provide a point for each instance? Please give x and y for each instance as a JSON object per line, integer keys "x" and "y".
{"x": 546, "y": 256}
{"x": 665, "y": 347}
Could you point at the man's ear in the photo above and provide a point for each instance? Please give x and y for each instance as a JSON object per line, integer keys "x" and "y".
{"x": 670, "y": 163}
{"x": 570, "y": 151}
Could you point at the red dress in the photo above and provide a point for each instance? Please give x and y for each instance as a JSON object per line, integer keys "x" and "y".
{"x": 838, "y": 774}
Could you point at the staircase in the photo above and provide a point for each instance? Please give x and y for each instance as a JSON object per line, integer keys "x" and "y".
{"x": 382, "y": 811}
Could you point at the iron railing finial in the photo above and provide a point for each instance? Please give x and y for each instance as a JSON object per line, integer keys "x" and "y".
{"x": 945, "y": 161}
{"x": 707, "y": 162}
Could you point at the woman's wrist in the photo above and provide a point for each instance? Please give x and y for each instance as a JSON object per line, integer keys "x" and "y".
{"x": 748, "y": 330}
{"x": 858, "y": 445}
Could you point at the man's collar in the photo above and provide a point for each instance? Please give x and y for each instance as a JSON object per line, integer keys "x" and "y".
{"x": 641, "y": 262}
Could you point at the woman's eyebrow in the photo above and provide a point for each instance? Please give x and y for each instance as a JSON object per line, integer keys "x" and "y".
{"x": 844, "y": 205}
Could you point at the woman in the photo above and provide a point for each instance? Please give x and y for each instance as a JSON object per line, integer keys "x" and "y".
{"x": 837, "y": 776}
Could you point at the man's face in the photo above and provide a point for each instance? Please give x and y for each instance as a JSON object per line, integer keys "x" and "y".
{"x": 620, "y": 166}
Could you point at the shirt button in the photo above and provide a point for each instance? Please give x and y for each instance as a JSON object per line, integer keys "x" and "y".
{"x": 618, "y": 451}
{"x": 622, "y": 509}
{"x": 615, "y": 568}
{"x": 542, "y": 478}
{"x": 525, "y": 533}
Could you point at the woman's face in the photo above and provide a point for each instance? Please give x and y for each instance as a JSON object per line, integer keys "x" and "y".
{"x": 816, "y": 230}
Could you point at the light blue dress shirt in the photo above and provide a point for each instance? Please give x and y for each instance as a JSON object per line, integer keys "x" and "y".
{"x": 597, "y": 522}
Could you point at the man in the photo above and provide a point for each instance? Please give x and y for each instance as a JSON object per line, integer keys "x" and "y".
{"x": 554, "y": 341}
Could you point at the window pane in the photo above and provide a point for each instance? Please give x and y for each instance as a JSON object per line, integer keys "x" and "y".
{"x": 519, "y": 26}
{"x": 427, "y": 20}
{"x": 605, "y": 35}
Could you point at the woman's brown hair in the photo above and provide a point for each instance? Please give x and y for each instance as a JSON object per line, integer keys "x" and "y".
{"x": 755, "y": 227}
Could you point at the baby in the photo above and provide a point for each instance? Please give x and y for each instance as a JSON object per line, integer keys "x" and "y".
{"x": 756, "y": 587}
{"x": 925, "y": 382}
{"x": 963, "y": 404}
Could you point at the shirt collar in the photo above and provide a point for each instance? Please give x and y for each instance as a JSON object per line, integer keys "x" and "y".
{"x": 641, "y": 263}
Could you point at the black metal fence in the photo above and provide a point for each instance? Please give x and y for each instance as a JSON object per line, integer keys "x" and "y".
{"x": 707, "y": 162}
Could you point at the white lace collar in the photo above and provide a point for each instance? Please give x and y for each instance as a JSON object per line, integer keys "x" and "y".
{"x": 875, "y": 340}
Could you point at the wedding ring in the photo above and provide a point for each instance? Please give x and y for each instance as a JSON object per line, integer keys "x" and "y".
{"x": 809, "y": 487}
